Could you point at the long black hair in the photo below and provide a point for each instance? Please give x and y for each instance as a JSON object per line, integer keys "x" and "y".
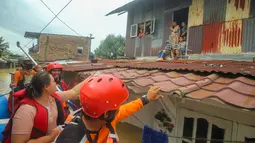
{"x": 37, "y": 83}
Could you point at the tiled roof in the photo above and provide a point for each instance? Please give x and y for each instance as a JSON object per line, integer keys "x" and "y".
{"x": 238, "y": 91}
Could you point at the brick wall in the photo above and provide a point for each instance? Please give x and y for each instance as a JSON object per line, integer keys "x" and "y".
{"x": 53, "y": 47}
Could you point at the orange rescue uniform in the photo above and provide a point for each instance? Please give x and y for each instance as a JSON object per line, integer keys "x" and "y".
{"x": 18, "y": 76}
{"x": 124, "y": 111}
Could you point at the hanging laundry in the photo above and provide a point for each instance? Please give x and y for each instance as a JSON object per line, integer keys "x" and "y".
{"x": 152, "y": 136}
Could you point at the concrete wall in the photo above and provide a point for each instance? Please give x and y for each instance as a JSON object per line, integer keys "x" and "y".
{"x": 53, "y": 47}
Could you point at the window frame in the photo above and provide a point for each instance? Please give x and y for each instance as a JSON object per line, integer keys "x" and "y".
{"x": 136, "y": 29}
{"x": 224, "y": 124}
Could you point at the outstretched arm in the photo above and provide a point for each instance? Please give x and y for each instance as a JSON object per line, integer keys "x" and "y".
{"x": 130, "y": 108}
{"x": 73, "y": 94}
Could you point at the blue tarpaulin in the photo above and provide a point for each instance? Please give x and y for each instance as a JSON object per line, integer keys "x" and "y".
{"x": 152, "y": 136}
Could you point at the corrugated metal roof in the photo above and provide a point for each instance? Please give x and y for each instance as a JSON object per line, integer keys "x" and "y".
{"x": 237, "y": 91}
{"x": 248, "y": 40}
{"x": 195, "y": 36}
{"x": 237, "y": 9}
{"x": 133, "y": 4}
{"x": 234, "y": 67}
{"x": 214, "y": 11}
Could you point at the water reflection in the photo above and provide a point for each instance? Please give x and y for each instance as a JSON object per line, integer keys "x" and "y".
{"x": 5, "y": 80}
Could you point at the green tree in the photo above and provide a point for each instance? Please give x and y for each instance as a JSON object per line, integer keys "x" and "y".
{"x": 111, "y": 47}
{"x": 4, "y": 46}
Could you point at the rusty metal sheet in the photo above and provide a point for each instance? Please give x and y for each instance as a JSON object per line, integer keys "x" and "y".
{"x": 248, "y": 40}
{"x": 196, "y": 13}
{"x": 231, "y": 39}
{"x": 252, "y": 8}
{"x": 237, "y": 9}
{"x": 214, "y": 11}
{"x": 211, "y": 38}
{"x": 197, "y": 2}
{"x": 195, "y": 39}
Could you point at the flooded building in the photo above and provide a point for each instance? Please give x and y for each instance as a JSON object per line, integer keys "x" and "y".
{"x": 51, "y": 47}
{"x": 214, "y": 26}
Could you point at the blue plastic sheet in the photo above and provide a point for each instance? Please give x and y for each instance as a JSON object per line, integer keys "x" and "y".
{"x": 4, "y": 114}
{"x": 152, "y": 136}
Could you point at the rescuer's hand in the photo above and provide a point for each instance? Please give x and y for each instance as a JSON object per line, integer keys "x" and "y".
{"x": 153, "y": 94}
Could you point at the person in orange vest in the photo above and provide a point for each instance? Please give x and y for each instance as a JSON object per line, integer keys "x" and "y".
{"x": 23, "y": 76}
{"x": 101, "y": 98}
{"x": 39, "y": 111}
{"x": 55, "y": 69}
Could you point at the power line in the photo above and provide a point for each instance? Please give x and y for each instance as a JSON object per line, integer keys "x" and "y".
{"x": 51, "y": 20}
{"x": 60, "y": 19}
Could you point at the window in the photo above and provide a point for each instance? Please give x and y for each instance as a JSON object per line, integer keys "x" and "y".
{"x": 199, "y": 128}
{"x": 133, "y": 30}
{"x": 150, "y": 27}
{"x": 79, "y": 51}
{"x": 142, "y": 29}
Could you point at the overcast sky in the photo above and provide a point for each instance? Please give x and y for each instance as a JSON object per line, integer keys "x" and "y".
{"x": 84, "y": 16}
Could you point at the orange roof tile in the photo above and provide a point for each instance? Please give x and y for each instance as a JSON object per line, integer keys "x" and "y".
{"x": 238, "y": 91}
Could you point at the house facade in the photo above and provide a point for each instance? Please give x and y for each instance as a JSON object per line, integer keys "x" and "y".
{"x": 214, "y": 26}
{"x": 51, "y": 47}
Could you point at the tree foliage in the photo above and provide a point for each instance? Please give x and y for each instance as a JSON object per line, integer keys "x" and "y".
{"x": 4, "y": 46}
{"x": 111, "y": 47}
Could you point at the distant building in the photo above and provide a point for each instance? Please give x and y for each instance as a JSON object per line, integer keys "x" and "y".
{"x": 51, "y": 47}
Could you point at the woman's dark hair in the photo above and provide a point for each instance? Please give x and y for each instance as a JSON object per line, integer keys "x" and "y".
{"x": 38, "y": 82}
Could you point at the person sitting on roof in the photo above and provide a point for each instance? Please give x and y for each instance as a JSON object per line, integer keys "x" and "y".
{"x": 180, "y": 49}
{"x": 55, "y": 69}
{"x": 167, "y": 50}
{"x": 23, "y": 76}
{"x": 101, "y": 98}
{"x": 39, "y": 112}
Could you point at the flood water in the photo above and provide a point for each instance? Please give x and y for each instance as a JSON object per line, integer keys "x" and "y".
{"x": 127, "y": 133}
{"x": 5, "y": 80}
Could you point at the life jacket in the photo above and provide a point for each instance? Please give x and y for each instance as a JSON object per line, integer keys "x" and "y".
{"x": 76, "y": 132}
{"x": 62, "y": 86}
{"x": 41, "y": 118}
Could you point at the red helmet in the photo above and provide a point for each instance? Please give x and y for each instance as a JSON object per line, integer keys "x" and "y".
{"x": 101, "y": 94}
{"x": 52, "y": 66}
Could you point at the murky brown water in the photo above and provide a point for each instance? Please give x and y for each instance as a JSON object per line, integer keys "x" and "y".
{"x": 126, "y": 132}
{"x": 5, "y": 80}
